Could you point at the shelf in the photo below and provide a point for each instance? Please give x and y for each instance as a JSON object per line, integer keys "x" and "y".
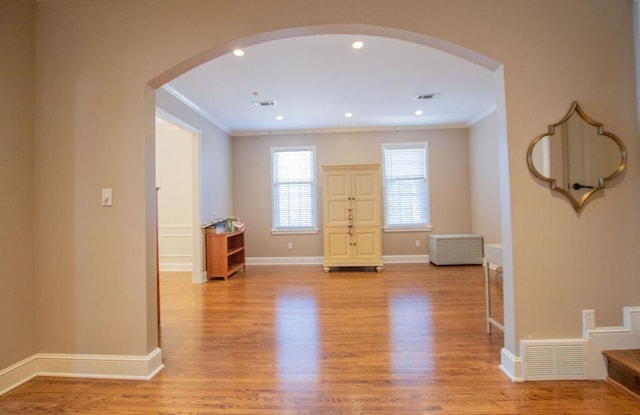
{"x": 225, "y": 253}
{"x": 233, "y": 251}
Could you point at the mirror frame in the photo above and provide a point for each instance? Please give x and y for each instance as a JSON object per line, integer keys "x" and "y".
{"x": 578, "y": 204}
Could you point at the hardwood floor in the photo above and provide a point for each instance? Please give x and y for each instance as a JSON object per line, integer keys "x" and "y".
{"x": 294, "y": 340}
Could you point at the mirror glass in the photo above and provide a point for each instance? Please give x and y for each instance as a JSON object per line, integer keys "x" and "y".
{"x": 576, "y": 156}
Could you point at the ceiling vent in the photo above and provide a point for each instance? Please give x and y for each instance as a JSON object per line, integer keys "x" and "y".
{"x": 262, "y": 104}
{"x": 428, "y": 96}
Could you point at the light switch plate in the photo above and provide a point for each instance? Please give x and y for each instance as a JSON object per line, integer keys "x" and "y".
{"x": 107, "y": 199}
{"x": 588, "y": 319}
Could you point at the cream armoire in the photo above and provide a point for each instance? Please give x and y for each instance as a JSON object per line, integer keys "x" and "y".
{"x": 352, "y": 216}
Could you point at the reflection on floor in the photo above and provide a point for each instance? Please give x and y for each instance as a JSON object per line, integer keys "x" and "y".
{"x": 296, "y": 340}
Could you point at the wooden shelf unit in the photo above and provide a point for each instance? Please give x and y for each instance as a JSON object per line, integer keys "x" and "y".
{"x": 225, "y": 253}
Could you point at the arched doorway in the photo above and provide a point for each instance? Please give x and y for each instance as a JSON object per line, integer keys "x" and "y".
{"x": 424, "y": 40}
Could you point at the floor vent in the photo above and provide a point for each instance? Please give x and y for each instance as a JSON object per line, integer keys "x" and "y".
{"x": 554, "y": 359}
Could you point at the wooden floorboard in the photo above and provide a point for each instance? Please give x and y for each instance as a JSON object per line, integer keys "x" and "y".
{"x": 295, "y": 340}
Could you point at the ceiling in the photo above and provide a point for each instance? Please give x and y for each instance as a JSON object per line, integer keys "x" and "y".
{"x": 316, "y": 80}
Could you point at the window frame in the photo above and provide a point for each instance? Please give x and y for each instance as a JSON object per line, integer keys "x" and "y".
{"x": 314, "y": 191}
{"x": 427, "y": 203}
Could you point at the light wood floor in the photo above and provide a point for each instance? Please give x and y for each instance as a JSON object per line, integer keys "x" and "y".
{"x": 294, "y": 340}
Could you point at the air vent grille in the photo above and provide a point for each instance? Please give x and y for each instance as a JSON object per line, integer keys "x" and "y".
{"x": 428, "y": 96}
{"x": 262, "y": 104}
{"x": 554, "y": 360}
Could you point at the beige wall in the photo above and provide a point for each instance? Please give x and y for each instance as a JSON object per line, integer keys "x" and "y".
{"x": 17, "y": 285}
{"x": 449, "y": 181}
{"x": 95, "y": 267}
{"x": 485, "y": 179}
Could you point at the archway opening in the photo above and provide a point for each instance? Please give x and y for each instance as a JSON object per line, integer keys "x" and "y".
{"x": 471, "y": 56}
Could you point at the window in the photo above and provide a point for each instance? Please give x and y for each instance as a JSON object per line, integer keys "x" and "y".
{"x": 406, "y": 186}
{"x": 294, "y": 189}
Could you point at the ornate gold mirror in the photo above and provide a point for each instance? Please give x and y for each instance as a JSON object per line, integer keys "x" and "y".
{"x": 576, "y": 156}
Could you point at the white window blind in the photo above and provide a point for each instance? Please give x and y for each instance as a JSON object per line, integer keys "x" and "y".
{"x": 406, "y": 185}
{"x": 293, "y": 188}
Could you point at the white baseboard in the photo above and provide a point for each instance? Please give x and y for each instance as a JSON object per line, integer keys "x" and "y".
{"x": 317, "y": 260}
{"x": 511, "y": 365}
{"x": 405, "y": 259}
{"x": 81, "y": 366}
{"x": 17, "y": 374}
{"x": 293, "y": 260}
{"x": 585, "y": 353}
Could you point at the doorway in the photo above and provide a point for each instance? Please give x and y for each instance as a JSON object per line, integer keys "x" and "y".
{"x": 178, "y": 191}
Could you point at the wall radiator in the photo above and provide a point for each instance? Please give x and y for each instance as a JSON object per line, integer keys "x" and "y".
{"x": 456, "y": 249}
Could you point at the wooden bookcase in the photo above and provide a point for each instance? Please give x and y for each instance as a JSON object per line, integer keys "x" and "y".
{"x": 225, "y": 253}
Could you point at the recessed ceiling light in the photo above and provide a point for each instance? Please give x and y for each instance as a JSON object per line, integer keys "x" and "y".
{"x": 358, "y": 44}
{"x": 419, "y": 112}
{"x": 348, "y": 114}
{"x": 279, "y": 117}
{"x": 238, "y": 52}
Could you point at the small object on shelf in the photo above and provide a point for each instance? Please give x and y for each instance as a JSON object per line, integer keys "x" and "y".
{"x": 230, "y": 226}
{"x": 222, "y": 225}
{"x": 225, "y": 253}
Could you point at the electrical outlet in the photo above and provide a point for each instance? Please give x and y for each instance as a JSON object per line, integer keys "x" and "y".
{"x": 417, "y": 243}
{"x": 107, "y": 198}
{"x": 290, "y": 245}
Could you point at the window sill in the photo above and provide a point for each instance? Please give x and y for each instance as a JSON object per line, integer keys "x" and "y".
{"x": 302, "y": 231}
{"x": 408, "y": 229}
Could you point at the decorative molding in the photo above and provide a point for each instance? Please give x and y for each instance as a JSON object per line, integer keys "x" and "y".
{"x": 484, "y": 114}
{"x": 405, "y": 259}
{"x": 17, "y": 374}
{"x": 317, "y": 260}
{"x": 511, "y": 365}
{"x": 213, "y": 120}
{"x": 576, "y": 353}
{"x": 176, "y": 247}
{"x": 294, "y": 260}
{"x": 188, "y": 227}
{"x": 599, "y": 339}
{"x": 493, "y": 254}
{"x": 348, "y": 130}
{"x": 81, "y": 366}
{"x": 176, "y": 266}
